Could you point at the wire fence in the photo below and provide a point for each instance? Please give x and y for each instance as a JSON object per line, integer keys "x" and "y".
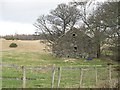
{"x": 85, "y": 76}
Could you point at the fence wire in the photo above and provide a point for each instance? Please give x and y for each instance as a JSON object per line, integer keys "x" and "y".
{"x": 59, "y": 77}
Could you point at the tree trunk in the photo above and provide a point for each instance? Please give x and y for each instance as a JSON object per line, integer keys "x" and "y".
{"x": 97, "y": 42}
{"x": 98, "y": 50}
{"x": 64, "y": 27}
{"x": 118, "y": 49}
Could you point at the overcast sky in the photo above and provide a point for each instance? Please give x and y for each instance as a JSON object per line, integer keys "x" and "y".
{"x": 18, "y": 16}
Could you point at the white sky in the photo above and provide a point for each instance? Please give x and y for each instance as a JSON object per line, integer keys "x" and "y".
{"x": 18, "y": 16}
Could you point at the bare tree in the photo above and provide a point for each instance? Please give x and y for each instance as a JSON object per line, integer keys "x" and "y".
{"x": 58, "y": 22}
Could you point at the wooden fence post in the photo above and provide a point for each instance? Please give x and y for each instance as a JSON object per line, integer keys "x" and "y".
{"x": 81, "y": 77}
{"x": 110, "y": 78}
{"x": 53, "y": 76}
{"x": 96, "y": 76}
{"x": 24, "y": 76}
{"x": 59, "y": 76}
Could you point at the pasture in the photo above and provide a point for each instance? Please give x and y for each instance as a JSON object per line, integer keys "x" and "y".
{"x": 33, "y": 54}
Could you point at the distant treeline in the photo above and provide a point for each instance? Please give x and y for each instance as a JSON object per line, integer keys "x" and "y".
{"x": 24, "y": 37}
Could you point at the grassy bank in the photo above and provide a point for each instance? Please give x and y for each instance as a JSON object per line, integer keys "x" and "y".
{"x": 32, "y": 54}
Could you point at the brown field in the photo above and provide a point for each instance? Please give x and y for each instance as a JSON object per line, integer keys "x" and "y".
{"x": 23, "y": 45}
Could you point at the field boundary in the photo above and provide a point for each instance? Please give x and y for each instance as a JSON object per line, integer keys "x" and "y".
{"x": 82, "y": 69}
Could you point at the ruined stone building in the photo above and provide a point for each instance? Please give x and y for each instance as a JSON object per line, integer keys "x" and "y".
{"x": 74, "y": 44}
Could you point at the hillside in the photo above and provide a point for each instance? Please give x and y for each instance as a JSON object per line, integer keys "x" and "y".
{"x": 23, "y": 45}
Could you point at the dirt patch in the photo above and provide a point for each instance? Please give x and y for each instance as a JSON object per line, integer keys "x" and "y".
{"x": 70, "y": 60}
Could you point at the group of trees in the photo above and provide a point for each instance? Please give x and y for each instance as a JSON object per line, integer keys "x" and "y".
{"x": 24, "y": 37}
{"x": 101, "y": 25}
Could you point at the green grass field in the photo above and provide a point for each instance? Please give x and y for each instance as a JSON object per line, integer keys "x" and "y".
{"x": 46, "y": 59}
{"x": 42, "y": 78}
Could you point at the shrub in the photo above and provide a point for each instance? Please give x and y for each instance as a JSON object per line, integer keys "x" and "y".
{"x": 9, "y": 38}
{"x": 13, "y": 45}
